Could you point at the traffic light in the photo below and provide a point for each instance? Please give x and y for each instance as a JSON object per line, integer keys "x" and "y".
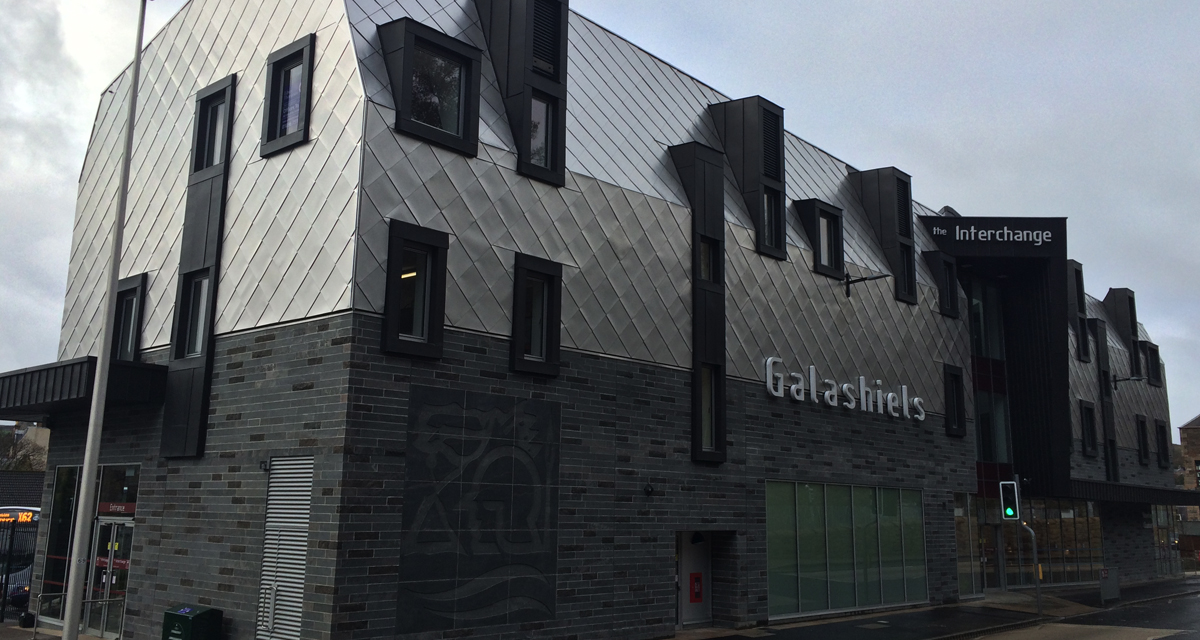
{"x": 1010, "y": 504}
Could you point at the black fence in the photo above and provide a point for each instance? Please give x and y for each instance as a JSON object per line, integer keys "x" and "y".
{"x": 18, "y": 543}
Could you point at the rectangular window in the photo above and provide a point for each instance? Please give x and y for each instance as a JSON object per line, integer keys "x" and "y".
{"x": 710, "y": 260}
{"x": 903, "y": 209}
{"x": 1085, "y": 339}
{"x": 213, "y": 131}
{"x": 435, "y": 84}
{"x": 906, "y": 282}
{"x": 1083, "y": 349}
{"x": 1143, "y": 439}
{"x": 948, "y": 288}
{"x": 540, "y": 133}
{"x": 537, "y": 310}
{"x": 1153, "y": 365}
{"x": 125, "y": 334}
{"x": 1087, "y": 416}
{"x": 843, "y": 547}
{"x": 956, "y": 408}
{"x": 414, "y": 305}
{"x": 196, "y": 307}
{"x": 822, "y": 223}
{"x": 772, "y": 219}
{"x": 288, "y": 97}
{"x": 826, "y": 232}
{"x": 414, "y": 292}
{"x": 1164, "y": 444}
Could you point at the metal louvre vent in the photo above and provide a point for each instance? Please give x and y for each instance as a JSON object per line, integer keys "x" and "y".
{"x": 772, "y": 148}
{"x": 285, "y": 549}
{"x": 903, "y": 209}
{"x": 545, "y": 35}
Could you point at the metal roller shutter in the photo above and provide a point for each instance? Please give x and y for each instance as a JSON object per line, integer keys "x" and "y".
{"x": 285, "y": 549}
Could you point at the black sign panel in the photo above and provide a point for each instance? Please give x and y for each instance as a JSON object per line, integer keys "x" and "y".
{"x": 999, "y": 237}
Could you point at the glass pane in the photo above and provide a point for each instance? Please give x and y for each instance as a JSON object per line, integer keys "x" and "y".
{"x": 197, "y": 315}
{"x": 707, "y": 258}
{"x": 707, "y": 402}
{"x": 539, "y": 133}
{"x": 826, "y": 242}
{"x": 214, "y": 134}
{"x": 782, "y": 590}
{"x": 118, "y": 490}
{"x": 840, "y": 539}
{"x": 772, "y": 222}
{"x": 414, "y": 293}
{"x": 814, "y": 587}
{"x": 126, "y": 325}
{"x": 912, "y": 519}
{"x": 289, "y": 99}
{"x": 866, "y": 545}
{"x": 891, "y": 546}
{"x": 535, "y": 318}
{"x": 58, "y": 539}
{"x": 437, "y": 87}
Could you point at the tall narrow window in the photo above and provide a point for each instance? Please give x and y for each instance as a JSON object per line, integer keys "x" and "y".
{"x": 288, "y": 97}
{"x": 416, "y": 289}
{"x": 1087, "y": 415}
{"x": 1164, "y": 444}
{"x": 903, "y": 209}
{"x": 1143, "y": 440}
{"x": 537, "y": 310}
{"x": 1083, "y": 349}
{"x": 822, "y": 222}
{"x": 213, "y": 130}
{"x": 710, "y": 260}
{"x": 906, "y": 283}
{"x": 772, "y": 216}
{"x": 826, "y": 233}
{"x": 414, "y": 293}
{"x": 708, "y": 404}
{"x": 1153, "y": 365}
{"x": 127, "y": 330}
{"x": 196, "y": 306}
{"x": 540, "y": 133}
{"x": 956, "y": 408}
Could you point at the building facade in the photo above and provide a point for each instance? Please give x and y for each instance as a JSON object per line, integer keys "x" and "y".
{"x": 456, "y": 315}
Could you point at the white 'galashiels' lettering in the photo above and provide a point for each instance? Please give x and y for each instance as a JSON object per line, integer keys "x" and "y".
{"x": 861, "y": 396}
{"x": 1002, "y": 235}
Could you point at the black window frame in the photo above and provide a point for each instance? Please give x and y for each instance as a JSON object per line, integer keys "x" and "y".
{"x": 1162, "y": 439}
{"x": 222, "y": 91}
{"x": 186, "y": 322}
{"x": 1087, "y": 429}
{"x": 1143, "y": 439}
{"x": 906, "y": 279}
{"x": 272, "y": 142}
{"x": 1154, "y": 375}
{"x": 954, "y": 387}
{"x": 524, "y": 267}
{"x": 435, "y": 244}
{"x": 132, "y": 287}
{"x": 546, "y": 90}
{"x": 1083, "y": 336}
{"x": 811, "y": 212}
{"x": 400, "y": 40}
{"x": 718, "y": 452}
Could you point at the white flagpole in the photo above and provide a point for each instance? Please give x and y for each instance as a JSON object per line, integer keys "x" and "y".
{"x": 81, "y": 563}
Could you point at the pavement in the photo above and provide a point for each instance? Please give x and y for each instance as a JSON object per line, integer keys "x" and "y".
{"x": 995, "y": 613}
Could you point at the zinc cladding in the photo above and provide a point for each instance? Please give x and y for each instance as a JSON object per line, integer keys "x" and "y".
{"x": 289, "y": 225}
{"x": 621, "y": 225}
{"x": 1130, "y": 399}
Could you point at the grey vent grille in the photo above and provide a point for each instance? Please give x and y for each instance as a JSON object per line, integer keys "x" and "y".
{"x": 771, "y": 146}
{"x": 903, "y": 209}
{"x": 545, "y": 35}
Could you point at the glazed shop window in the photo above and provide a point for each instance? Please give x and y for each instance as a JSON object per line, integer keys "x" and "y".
{"x": 536, "y": 318}
{"x": 415, "y": 295}
{"x": 288, "y": 97}
{"x": 843, "y": 547}
{"x": 435, "y": 84}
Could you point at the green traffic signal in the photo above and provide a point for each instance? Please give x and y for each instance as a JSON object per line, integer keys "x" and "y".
{"x": 1008, "y": 511}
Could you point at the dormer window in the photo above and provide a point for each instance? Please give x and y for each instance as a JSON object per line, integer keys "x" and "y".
{"x": 751, "y": 129}
{"x": 823, "y": 224}
{"x": 435, "y": 84}
{"x": 288, "y": 97}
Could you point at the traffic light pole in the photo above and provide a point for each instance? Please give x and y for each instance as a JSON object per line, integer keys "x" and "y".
{"x": 1037, "y": 576}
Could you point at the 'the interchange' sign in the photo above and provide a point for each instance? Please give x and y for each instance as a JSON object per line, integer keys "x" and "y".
{"x": 807, "y": 386}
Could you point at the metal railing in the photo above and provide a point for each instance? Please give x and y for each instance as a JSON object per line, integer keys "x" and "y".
{"x": 37, "y": 617}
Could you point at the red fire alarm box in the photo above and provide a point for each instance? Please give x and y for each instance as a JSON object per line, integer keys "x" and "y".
{"x": 696, "y": 593}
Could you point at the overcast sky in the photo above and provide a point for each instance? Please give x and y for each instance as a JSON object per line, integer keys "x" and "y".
{"x": 1089, "y": 110}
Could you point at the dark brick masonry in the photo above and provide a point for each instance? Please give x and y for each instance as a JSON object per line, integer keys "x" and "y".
{"x": 323, "y": 388}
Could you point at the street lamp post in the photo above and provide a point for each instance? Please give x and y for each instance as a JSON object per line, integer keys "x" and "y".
{"x": 81, "y": 564}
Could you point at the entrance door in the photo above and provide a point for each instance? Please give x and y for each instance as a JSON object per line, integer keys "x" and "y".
{"x": 695, "y": 578}
{"x": 112, "y": 542}
{"x": 285, "y": 549}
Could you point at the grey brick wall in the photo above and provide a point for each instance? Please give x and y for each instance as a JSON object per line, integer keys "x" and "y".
{"x": 199, "y": 526}
{"x": 1128, "y": 544}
